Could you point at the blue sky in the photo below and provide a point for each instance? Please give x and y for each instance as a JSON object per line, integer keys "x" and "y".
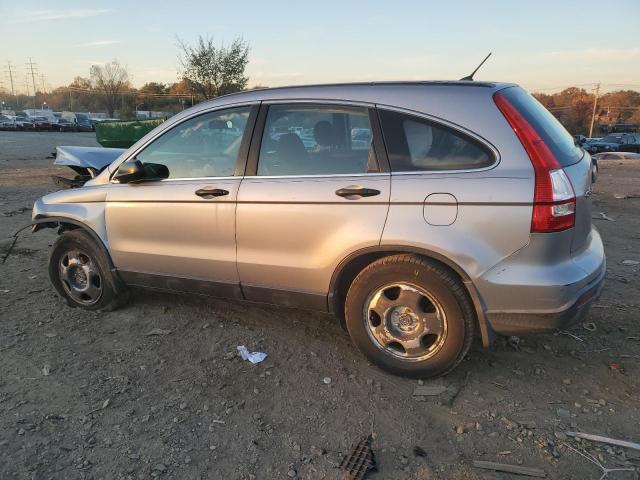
{"x": 542, "y": 45}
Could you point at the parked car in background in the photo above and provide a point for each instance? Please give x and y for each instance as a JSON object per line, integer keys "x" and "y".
{"x": 65, "y": 125}
{"x": 24, "y": 123}
{"x": 83, "y": 123}
{"x": 616, "y": 156}
{"x": 614, "y": 142}
{"x": 469, "y": 209}
{"x": 7, "y": 123}
{"x": 41, "y": 123}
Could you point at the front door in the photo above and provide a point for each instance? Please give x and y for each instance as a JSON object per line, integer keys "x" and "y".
{"x": 178, "y": 231}
{"x": 313, "y": 193}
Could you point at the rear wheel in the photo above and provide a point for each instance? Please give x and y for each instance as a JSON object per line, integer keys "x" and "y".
{"x": 79, "y": 271}
{"x": 410, "y": 316}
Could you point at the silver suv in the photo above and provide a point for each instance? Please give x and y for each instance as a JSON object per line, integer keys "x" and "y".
{"x": 420, "y": 213}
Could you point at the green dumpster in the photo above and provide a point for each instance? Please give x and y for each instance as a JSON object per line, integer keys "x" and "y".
{"x": 123, "y": 133}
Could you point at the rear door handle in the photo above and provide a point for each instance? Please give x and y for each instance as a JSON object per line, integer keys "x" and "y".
{"x": 354, "y": 192}
{"x": 211, "y": 192}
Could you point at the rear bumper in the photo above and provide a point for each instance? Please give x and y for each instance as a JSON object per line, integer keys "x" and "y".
{"x": 540, "y": 289}
{"x": 523, "y": 323}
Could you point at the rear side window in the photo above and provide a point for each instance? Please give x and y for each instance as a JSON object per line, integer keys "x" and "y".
{"x": 416, "y": 144}
{"x": 559, "y": 141}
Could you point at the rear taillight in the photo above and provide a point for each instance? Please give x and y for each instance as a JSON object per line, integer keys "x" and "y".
{"x": 554, "y": 201}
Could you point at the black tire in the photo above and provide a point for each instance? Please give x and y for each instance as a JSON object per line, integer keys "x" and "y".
{"x": 87, "y": 268}
{"x": 444, "y": 293}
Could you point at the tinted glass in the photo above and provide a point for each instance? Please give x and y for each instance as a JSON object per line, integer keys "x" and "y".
{"x": 415, "y": 144}
{"x": 204, "y": 146}
{"x": 559, "y": 141}
{"x": 314, "y": 140}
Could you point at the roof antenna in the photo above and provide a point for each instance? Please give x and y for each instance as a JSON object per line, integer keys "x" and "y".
{"x": 470, "y": 77}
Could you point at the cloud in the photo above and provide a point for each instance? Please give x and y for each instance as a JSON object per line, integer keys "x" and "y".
{"x": 48, "y": 15}
{"x": 100, "y": 43}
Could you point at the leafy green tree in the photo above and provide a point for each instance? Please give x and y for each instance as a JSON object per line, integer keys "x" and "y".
{"x": 213, "y": 70}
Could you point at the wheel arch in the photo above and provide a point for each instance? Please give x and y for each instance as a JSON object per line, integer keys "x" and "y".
{"x": 66, "y": 223}
{"x": 349, "y": 267}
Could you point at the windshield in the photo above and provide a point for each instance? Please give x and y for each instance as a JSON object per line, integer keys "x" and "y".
{"x": 611, "y": 139}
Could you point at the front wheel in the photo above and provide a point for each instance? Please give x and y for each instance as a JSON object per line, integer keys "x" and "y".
{"x": 79, "y": 271}
{"x": 410, "y": 316}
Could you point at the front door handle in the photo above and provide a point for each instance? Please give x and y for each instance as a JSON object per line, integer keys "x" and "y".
{"x": 211, "y": 192}
{"x": 353, "y": 192}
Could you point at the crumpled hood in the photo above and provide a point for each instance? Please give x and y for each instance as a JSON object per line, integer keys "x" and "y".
{"x": 95, "y": 158}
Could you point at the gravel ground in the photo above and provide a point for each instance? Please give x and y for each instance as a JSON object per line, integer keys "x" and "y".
{"x": 93, "y": 396}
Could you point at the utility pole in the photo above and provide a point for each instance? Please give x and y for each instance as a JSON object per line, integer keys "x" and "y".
{"x": 30, "y": 64}
{"x": 9, "y": 69}
{"x": 44, "y": 90}
{"x": 593, "y": 114}
{"x": 26, "y": 84}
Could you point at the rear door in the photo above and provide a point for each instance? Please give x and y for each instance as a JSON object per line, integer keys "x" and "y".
{"x": 314, "y": 192}
{"x": 178, "y": 231}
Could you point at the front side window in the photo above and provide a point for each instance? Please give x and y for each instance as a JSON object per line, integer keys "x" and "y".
{"x": 415, "y": 144}
{"x": 316, "y": 140}
{"x": 204, "y": 146}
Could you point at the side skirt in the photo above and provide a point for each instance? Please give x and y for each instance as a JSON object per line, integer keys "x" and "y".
{"x": 236, "y": 291}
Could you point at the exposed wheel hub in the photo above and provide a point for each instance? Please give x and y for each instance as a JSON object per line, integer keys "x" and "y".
{"x": 406, "y": 321}
{"x": 80, "y": 277}
{"x": 403, "y": 319}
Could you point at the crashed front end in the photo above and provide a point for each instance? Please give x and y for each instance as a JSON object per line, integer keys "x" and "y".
{"x": 86, "y": 162}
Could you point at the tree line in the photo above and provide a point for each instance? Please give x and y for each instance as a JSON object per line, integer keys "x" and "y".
{"x": 574, "y": 108}
{"x": 208, "y": 70}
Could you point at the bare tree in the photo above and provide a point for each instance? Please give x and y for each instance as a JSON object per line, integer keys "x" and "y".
{"x": 213, "y": 70}
{"x": 110, "y": 81}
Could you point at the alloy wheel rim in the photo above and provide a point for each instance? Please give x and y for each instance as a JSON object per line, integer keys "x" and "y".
{"x": 406, "y": 321}
{"x": 80, "y": 277}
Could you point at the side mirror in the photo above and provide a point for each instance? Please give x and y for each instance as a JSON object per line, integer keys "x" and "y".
{"x": 130, "y": 171}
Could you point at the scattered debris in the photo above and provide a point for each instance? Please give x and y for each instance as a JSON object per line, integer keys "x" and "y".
{"x": 514, "y": 342}
{"x": 360, "y": 461}
{"x": 504, "y": 467}
{"x": 429, "y": 390}
{"x": 105, "y": 404}
{"x": 601, "y": 439}
{"x": 630, "y": 262}
{"x": 569, "y": 334}
{"x": 592, "y": 459}
{"x": 253, "y": 357}
{"x": 419, "y": 452}
{"x": 604, "y": 216}
{"x": 157, "y": 331}
{"x": 589, "y": 326}
{"x": 46, "y": 370}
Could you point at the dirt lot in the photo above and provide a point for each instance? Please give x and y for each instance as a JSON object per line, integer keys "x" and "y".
{"x": 90, "y": 395}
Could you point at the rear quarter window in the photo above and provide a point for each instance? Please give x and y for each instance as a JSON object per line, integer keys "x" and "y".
{"x": 415, "y": 144}
{"x": 554, "y": 135}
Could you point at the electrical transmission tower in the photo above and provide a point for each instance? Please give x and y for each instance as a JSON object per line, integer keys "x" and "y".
{"x": 33, "y": 68}
{"x": 9, "y": 71}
